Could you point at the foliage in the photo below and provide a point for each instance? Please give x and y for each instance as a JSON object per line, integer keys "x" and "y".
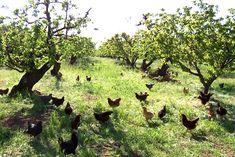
{"x": 120, "y": 46}
{"x": 29, "y": 37}
{"x": 199, "y": 41}
{"x": 77, "y": 46}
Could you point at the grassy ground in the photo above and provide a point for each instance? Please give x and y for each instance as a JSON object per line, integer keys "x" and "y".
{"x": 127, "y": 133}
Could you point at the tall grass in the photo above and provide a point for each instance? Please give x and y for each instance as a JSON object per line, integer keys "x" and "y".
{"x": 127, "y": 133}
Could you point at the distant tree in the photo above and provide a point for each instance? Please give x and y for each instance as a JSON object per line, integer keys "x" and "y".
{"x": 30, "y": 39}
{"x": 77, "y": 47}
{"x": 121, "y": 46}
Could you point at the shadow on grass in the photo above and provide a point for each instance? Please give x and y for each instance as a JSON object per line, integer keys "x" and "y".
{"x": 5, "y": 135}
{"x": 228, "y": 89}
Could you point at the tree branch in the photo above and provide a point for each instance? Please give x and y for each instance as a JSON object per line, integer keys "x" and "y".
{"x": 186, "y": 69}
{"x": 73, "y": 26}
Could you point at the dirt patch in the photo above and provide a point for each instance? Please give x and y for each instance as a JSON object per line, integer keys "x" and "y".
{"x": 89, "y": 97}
{"x": 225, "y": 149}
{"x": 19, "y": 120}
{"x": 3, "y": 83}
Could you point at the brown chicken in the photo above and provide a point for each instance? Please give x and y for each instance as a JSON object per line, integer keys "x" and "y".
{"x": 221, "y": 110}
{"x": 189, "y": 124}
{"x": 204, "y": 97}
{"x": 147, "y": 115}
{"x": 4, "y": 91}
{"x": 211, "y": 112}
{"x": 162, "y": 112}
{"x": 141, "y": 96}
{"x": 76, "y": 122}
{"x": 114, "y": 103}
{"x": 57, "y": 101}
{"x": 68, "y": 109}
{"x": 88, "y": 78}
{"x": 45, "y": 99}
{"x": 103, "y": 117}
{"x": 186, "y": 90}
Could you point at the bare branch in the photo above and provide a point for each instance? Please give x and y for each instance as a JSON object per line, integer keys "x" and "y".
{"x": 186, "y": 69}
{"x": 73, "y": 26}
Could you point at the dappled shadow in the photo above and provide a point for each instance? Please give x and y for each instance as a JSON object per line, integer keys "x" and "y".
{"x": 199, "y": 137}
{"x": 228, "y": 89}
{"x": 5, "y": 135}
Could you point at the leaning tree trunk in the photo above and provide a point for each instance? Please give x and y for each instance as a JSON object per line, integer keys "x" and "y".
{"x": 144, "y": 66}
{"x": 29, "y": 79}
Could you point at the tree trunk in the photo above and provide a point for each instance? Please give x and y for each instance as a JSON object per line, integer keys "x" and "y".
{"x": 206, "y": 88}
{"x": 29, "y": 79}
{"x": 73, "y": 60}
{"x": 144, "y": 66}
{"x": 56, "y": 67}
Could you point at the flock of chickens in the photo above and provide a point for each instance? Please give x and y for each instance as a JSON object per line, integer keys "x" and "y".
{"x": 69, "y": 146}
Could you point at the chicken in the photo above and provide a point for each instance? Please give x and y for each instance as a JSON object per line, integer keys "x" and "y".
{"x": 57, "y": 101}
{"x": 186, "y": 90}
{"x": 204, "y": 97}
{"x": 211, "y": 112}
{"x": 162, "y": 112}
{"x": 103, "y": 117}
{"x": 45, "y": 98}
{"x": 34, "y": 129}
{"x": 78, "y": 78}
{"x": 69, "y": 147}
{"x": 88, "y": 78}
{"x": 141, "y": 96}
{"x": 221, "y": 85}
{"x": 221, "y": 110}
{"x": 189, "y": 124}
{"x": 114, "y": 103}
{"x": 68, "y": 109}
{"x": 147, "y": 115}
{"x": 149, "y": 85}
{"x": 4, "y": 91}
{"x": 76, "y": 122}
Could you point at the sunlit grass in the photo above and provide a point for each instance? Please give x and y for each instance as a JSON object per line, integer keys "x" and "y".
{"x": 127, "y": 133}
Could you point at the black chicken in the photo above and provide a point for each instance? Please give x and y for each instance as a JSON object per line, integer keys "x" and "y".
{"x": 221, "y": 110}
{"x": 4, "y": 91}
{"x": 76, "y": 122}
{"x": 188, "y": 123}
{"x": 141, "y": 96}
{"x": 204, "y": 97}
{"x": 88, "y": 78}
{"x": 69, "y": 147}
{"x": 149, "y": 85}
{"x": 103, "y": 117}
{"x": 78, "y": 78}
{"x": 162, "y": 112}
{"x": 34, "y": 129}
{"x": 45, "y": 98}
{"x": 57, "y": 101}
{"x": 68, "y": 109}
{"x": 114, "y": 103}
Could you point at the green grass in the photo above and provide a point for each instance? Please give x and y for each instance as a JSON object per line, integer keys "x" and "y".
{"x": 127, "y": 133}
